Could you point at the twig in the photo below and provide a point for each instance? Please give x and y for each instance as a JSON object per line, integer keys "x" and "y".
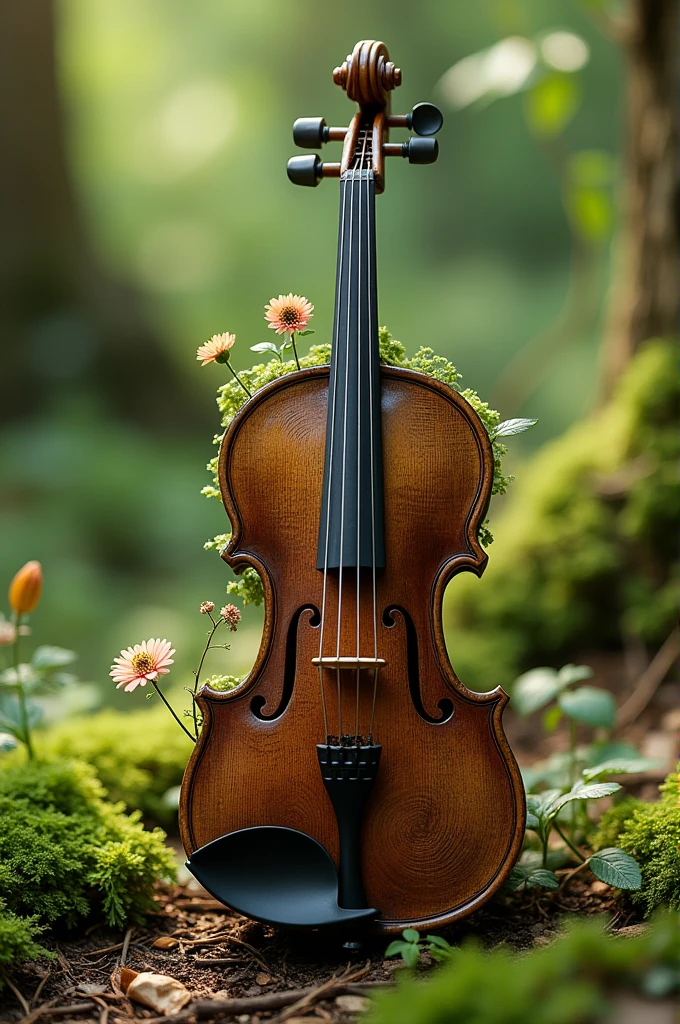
{"x": 126, "y": 947}
{"x": 216, "y": 939}
{"x": 206, "y": 961}
{"x": 24, "y": 1005}
{"x": 34, "y": 997}
{"x": 267, "y": 1002}
{"x": 650, "y": 680}
{"x": 59, "y": 1011}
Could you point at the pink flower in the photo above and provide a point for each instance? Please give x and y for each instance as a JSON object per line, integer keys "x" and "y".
{"x": 288, "y": 313}
{"x": 231, "y": 616}
{"x": 217, "y": 349}
{"x": 206, "y": 607}
{"x": 141, "y": 664}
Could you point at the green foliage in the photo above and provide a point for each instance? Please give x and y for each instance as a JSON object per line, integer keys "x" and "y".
{"x": 138, "y": 755}
{"x": 569, "y": 981}
{"x": 586, "y": 547}
{"x": 67, "y": 853}
{"x": 651, "y": 833}
{"x": 19, "y": 940}
{"x": 43, "y": 675}
{"x": 231, "y": 397}
{"x": 410, "y": 945}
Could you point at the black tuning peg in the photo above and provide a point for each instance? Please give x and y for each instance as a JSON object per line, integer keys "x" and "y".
{"x": 425, "y": 119}
{"x": 305, "y": 170}
{"x": 421, "y": 151}
{"x": 310, "y": 132}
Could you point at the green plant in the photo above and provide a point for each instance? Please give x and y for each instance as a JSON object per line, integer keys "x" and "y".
{"x": 232, "y": 395}
{"x": 410, "y": 945}
{"x": 650, "y": 833}
{"x": 571, "y": 981}
{"x": 19, "y": 940}
{"x": 67, "y": 853}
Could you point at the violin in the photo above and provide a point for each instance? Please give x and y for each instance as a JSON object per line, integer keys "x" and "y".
{"x": 351, "y": 778}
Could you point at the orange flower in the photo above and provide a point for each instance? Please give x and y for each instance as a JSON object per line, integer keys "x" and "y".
{"x": 217, "y": 349}
{"x": 288, "y": 313}
{"x": 24, "y": 590}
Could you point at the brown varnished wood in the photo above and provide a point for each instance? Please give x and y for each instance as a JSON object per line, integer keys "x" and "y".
{"x": 445, "y": 821}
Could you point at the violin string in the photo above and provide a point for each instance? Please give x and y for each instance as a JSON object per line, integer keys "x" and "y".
{"x": 371, "y": 340}
{"x": 358, "y": 609}
{"x": 330, "y": 461}
{"x": 344, "y": 455}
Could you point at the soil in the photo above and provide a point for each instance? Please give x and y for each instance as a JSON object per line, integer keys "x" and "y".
{"x": 218, "y": 955}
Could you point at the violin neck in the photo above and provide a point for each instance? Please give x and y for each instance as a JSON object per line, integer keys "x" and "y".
{"x": 351, "y": 523}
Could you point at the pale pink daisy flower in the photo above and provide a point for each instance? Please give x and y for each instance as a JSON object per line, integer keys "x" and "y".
{"x": 142, "y": 663}
{"x": 216, "y": 350}
{"x": 288, "y": 313}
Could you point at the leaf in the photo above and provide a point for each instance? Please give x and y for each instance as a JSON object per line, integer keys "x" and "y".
{"x": 534, "y": 690}
{"x": 533, "y": 822}
{"x": 509, "y": 427}
{"x": 10, "y": 715}
{"x": 551, "y": 718}
{"x": 411, "y": 935}
{"x": 438, "y": 940}
{"x": 569, "y": 674}
{"x": 615, "y": 867}
{"x": 46, "y": 658}
{"x": 593, "y": 791}
{"x": 396, "y": 948}
{"x": 591, "y": 212}
{"x": 303, "y": 334}
{"x": 590, "y": 705}
{"x": 620, "y": 766}
{"x": 517, "y": 878}
{"x": 264, "y": 346}
{"x": 551, "y": 104}
{"x": 542, "y": 805}
{"x": 411, "y": 954}
{"x": 8, "y": 677}
{"x": 543, "y": 877}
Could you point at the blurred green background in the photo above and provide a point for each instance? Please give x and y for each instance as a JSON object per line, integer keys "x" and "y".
{"x": 147, "y": 207}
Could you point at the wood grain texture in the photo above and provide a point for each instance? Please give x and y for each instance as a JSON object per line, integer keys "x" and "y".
{"x": 445, "y": 822}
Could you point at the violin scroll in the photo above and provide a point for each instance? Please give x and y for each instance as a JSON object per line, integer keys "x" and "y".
{"x": 367, "y": 76}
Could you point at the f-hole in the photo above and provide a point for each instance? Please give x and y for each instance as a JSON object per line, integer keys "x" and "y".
{"x": 258, "y": 702}
{"x": 445, "y": 705}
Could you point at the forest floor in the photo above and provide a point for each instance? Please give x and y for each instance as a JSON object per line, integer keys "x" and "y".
{"x": 261, "y": 974}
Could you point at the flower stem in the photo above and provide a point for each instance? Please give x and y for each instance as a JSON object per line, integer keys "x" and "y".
{"x": 292, "y": 341}
{"x": 178, "y": 720}
{"x": 569, "y": 843}
{"x": 236, "y": 377}
{"x": 197, "y": 674}
{"x": 23, "y": 709}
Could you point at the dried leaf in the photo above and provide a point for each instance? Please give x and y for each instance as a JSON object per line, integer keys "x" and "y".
{"x": 352, "y": 1004}
{"x": 165, "y": 942}
{"x": 159, "y": 991}
{"x": 263, "y": 979}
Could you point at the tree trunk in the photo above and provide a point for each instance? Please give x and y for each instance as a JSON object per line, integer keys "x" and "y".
{"x": 65, "y": 324}
{"x": 646, "y": 288}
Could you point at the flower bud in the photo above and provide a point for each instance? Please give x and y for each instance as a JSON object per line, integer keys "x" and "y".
{"x": 206, "y": 607}
{"x": 24, "y": 590}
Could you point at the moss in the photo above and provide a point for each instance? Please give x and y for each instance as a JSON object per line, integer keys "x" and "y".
{"x": 231, "y": 397}
{"x": 586, "y": 545}
{"x": 19, "y": 940}
{"x": 569, "y": 981}
{"x": 67, "y": 853}
{"x": 138, "y": 755}
{"x": 651, "y": 834}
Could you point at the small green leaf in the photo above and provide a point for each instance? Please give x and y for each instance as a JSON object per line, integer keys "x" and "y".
{"x": 589, "y": 705}
{"x": 411, "y": 935}
{"x": 593, "y": 791}
{"x": 8, "y": 677}
{"x": 615, "y": 867}
{"x": 551, "y": 718}
{"x": 620, "y": 766}
{"x": 264, "y": 346}
{"x": 543, "y": 877}
{"x": 509, "y": 427}
{"x": 532, "y": 821}
{"x": 534, "y": 690}
{"x": 569, "y": 674}
{"x": 551, "y": 104}
{"x": 396, "y": 948}
{"x": 46, "y": 658}
{"x": 517, "y": 878}
{"x": 411, "y": 954}
{"x": 303, "y": 334}
{"x": 438, "y": 940}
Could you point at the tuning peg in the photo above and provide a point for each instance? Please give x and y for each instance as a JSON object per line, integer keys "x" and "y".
{"x": 305, "y": 170}
{"x": 425, "y": 119}
{"x": 310, "y": 132}
{"x": 421, "y": 151}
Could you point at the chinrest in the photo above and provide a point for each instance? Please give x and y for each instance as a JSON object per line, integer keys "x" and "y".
{"x": 276, "y": 875}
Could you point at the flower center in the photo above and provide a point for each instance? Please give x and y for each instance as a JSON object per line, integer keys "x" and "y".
{"x": 288, "y": 316}
{"x": 142, "y": 663}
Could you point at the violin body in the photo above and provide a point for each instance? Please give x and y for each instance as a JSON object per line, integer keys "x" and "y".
{"x": 444, "y": 822}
